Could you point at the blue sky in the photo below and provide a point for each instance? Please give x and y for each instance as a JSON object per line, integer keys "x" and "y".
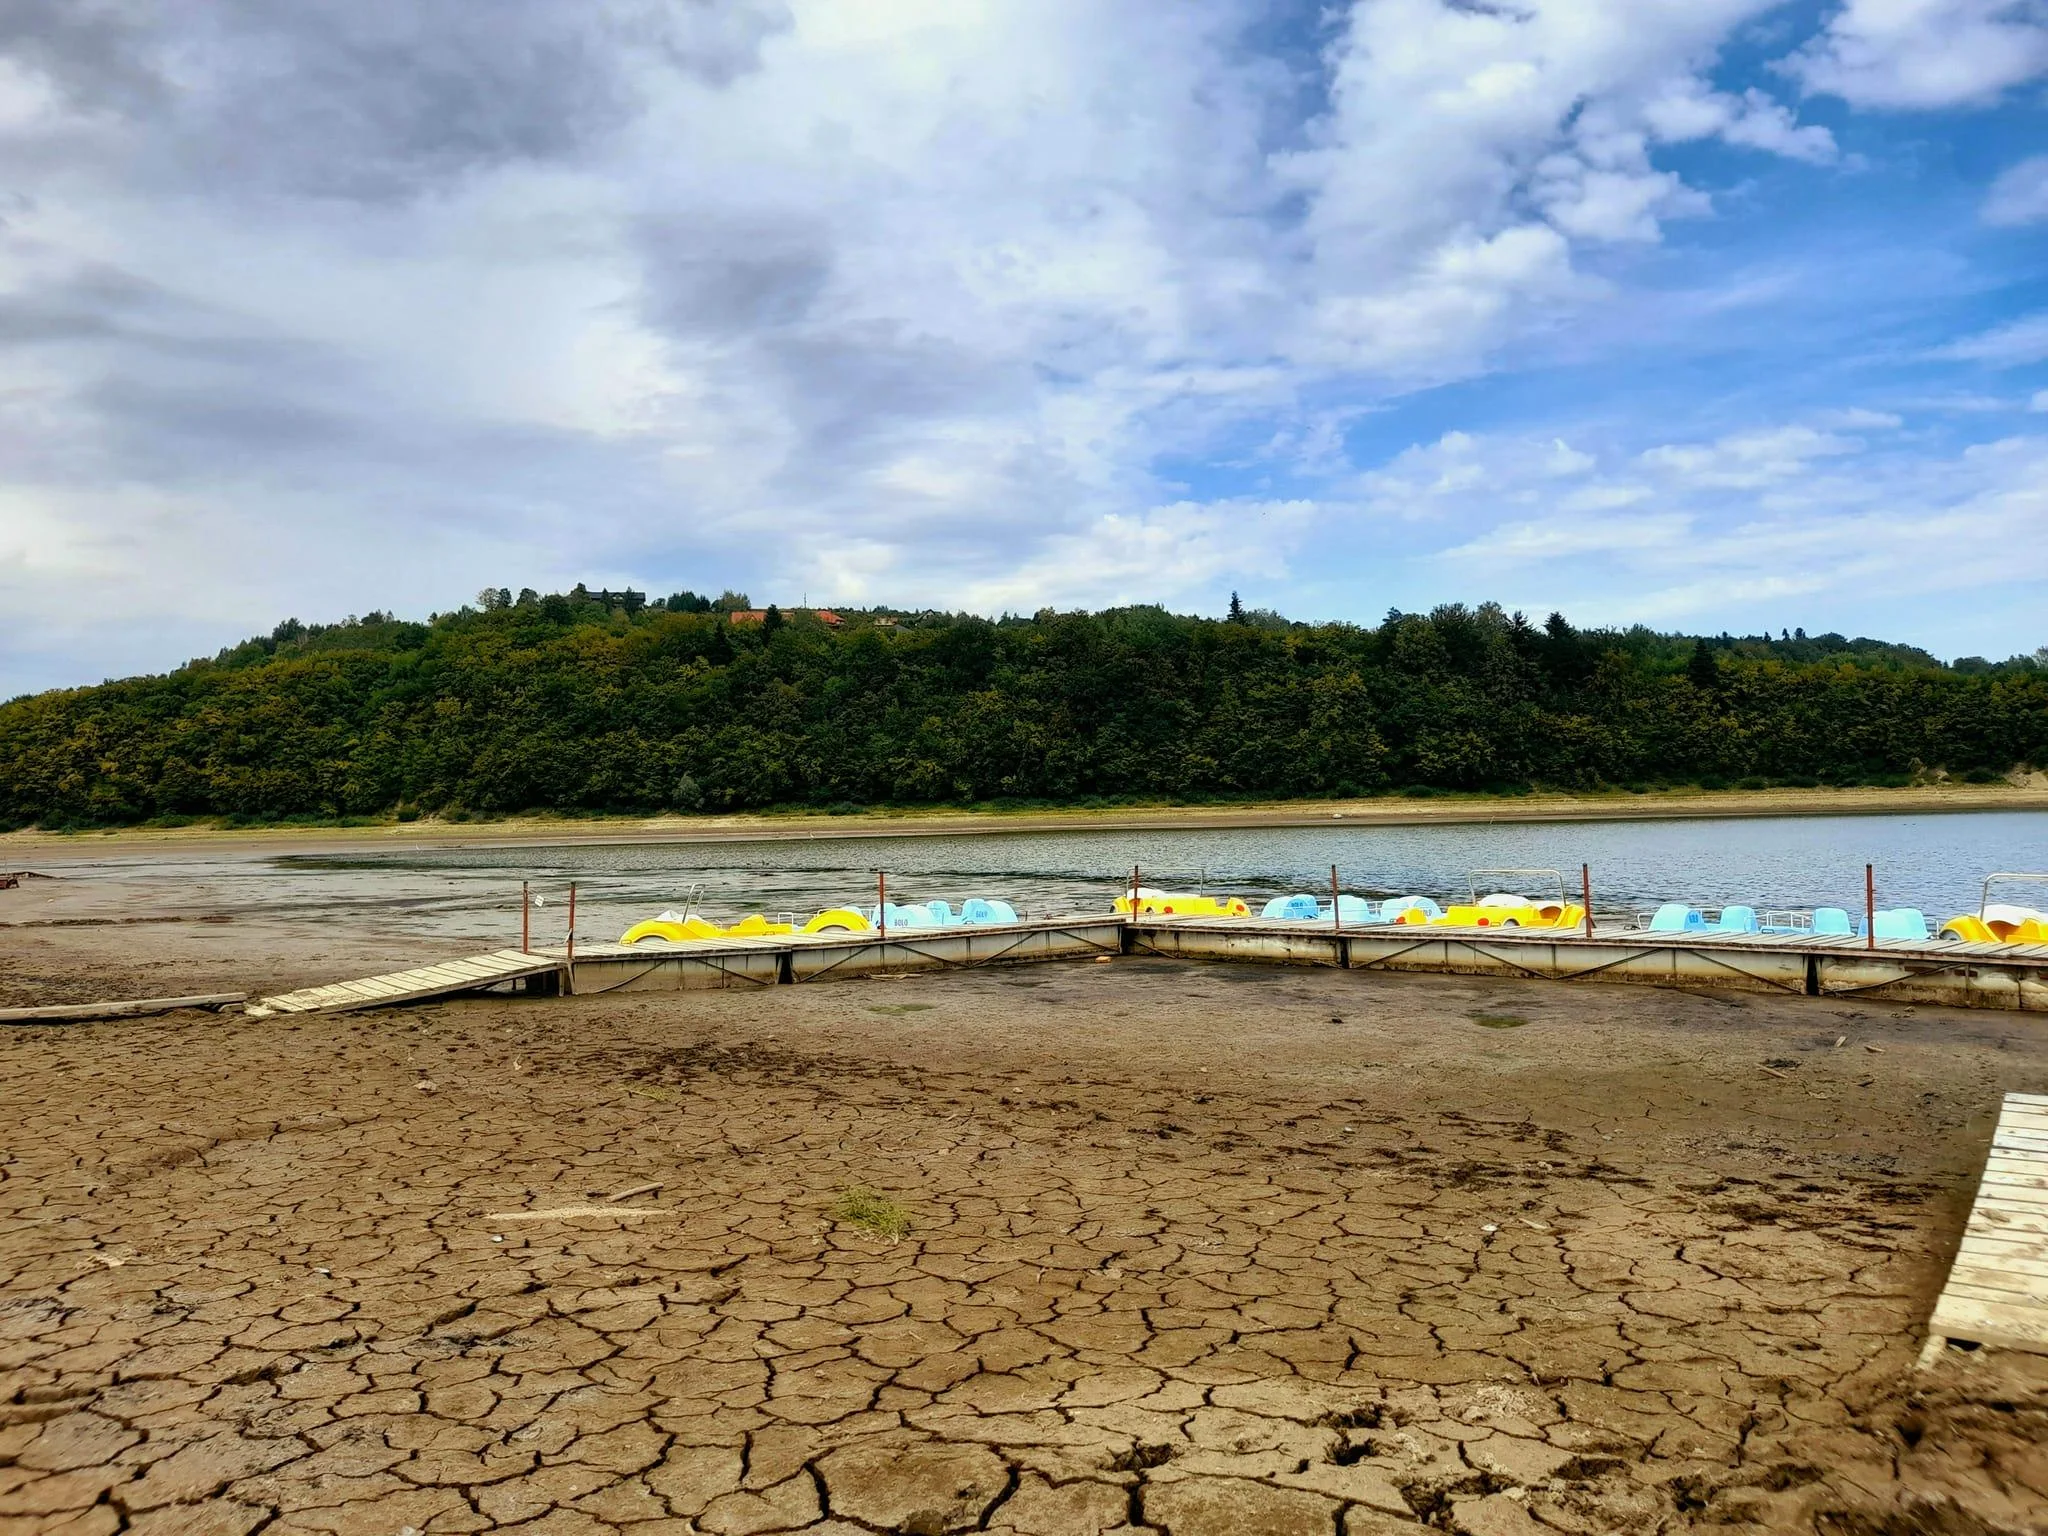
{"x": 1711, "y": 314}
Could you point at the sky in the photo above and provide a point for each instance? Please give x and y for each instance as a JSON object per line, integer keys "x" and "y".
{"x": 1708, "y": 314}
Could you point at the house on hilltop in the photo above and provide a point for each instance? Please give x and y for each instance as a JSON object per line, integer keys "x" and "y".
{"x": 824, "y": 616}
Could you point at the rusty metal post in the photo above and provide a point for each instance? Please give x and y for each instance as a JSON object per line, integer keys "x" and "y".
{"x": 882, "y": 904}
{"x": 1586, "y": 895}
{"x": 1869, "y": 906}
{"x": 1134, "y": 893}
{"x": 1336, "y": 904}
{"x": 525, "y": 920}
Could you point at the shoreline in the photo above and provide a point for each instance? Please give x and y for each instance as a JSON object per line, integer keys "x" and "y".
{"x": 534, "y": 831}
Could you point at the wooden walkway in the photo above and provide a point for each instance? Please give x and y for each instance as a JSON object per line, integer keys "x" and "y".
{"x": 1997, "y": 1291}
{"x": 442, "y": 980}
{"x": 131, "y": 1008}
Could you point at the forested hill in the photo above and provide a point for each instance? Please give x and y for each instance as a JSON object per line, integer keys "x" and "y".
{"x": 605, "y": 702}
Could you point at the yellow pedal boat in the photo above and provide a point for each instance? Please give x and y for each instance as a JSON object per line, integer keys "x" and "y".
{"x": 1504, "y": 909}
{"x": 1500, "y": 912}
{"x": 2001, "y": 922}
{"x": 1153, "y": 903}
{"x": 676, "y": 928}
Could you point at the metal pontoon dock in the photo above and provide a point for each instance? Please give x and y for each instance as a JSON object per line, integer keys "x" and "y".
{"x": 705, "y": 963}
{"x": 1933, "y": 971}
{"x": 1936, "y": 972}
{"x": 2011, "y": 976}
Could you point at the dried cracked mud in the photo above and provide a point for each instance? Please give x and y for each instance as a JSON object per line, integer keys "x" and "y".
{"x": 1194, "y": 1249}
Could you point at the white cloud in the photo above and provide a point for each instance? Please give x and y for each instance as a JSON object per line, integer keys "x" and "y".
{"x": 2020, "y": 194}
{"x": 1122, "y": 558}
{"x": 1955, "y": 403}
{"x": 1704, "y": 544}
{"x": 1612, "y": 205}
{"x": 1857, "y": 418}
{"x": 926, "y": 299}
{"x": 1926, "y": 53}
{"x": 1584, "y": 533}
{"x": 2039, "y": 402}
{"x": 1688, "y": 109}
{"x": 2017, "y": 342}
{"x": 1747, "y": 460}
{"x": 1422, "y": 481}
{"x": 1567, "y": 460}
{"x": 1606, "y": 496}
{"x": 1468, "y": 149}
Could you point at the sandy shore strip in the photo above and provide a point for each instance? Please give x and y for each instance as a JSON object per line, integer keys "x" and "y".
{"x": 21, "y": 848}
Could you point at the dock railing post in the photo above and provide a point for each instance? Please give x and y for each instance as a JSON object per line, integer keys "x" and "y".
{"x": 568, "y": 982}
{"x": 1869, "y": 906}
{"x": 525, "y": 919}
{"x": 1336, "y": 904}
{"x": 882, "y": 904}
{"x": 1586, "y": 895}
{"x": 1134, "y": 893}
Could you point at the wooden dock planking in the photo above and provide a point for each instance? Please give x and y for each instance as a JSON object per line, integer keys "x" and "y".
{"x": 65, "y": 1013}
{"x": 441, "y": 980}
{"x": 1997, "y": 1291}
{"x": 1984, "y": 1251}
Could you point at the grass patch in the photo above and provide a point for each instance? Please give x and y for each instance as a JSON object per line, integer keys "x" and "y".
{"x": 1499, "y": 1020}
{"x": 894, "y": 1009}
{"x": 876, "y": 1215}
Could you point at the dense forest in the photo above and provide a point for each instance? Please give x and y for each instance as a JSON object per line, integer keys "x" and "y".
{"x": 603, "y": 701}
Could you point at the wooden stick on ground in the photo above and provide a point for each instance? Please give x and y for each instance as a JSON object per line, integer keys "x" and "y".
{"x": 60, "y": 1013}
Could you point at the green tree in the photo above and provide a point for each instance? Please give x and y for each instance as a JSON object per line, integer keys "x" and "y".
{"x": 1701, "y": 669}
{"x": 579, "y": 703}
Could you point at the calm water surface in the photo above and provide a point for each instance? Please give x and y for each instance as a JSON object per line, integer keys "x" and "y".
{"x": 1932, "y": 862}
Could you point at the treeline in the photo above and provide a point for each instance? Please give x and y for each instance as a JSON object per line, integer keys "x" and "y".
{"x": 608, "y": 702}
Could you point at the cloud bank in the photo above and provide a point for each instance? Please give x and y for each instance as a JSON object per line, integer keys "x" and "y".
{"x": 335, "y": 306}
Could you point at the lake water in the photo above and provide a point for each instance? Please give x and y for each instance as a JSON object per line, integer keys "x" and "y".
{"x": 1933, "y": 862}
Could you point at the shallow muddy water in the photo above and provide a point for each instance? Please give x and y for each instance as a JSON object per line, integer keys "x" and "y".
{"x": 1935, "y": 862}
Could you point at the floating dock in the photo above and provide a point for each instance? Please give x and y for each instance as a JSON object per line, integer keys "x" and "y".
{"x": 1942, "y": 972}
{"x": 1997, "y": 1291}
{"x": 659, "y": 967}
{"x": 1946, "y": 974}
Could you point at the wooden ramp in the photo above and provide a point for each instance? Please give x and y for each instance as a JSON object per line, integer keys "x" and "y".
{"x": 132, "y": 1008}
{"x": 1997, "y": 1290}
{"x": 442, "y": 980}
